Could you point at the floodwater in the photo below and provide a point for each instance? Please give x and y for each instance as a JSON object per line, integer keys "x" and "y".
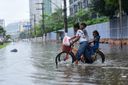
{"x": 34, "y": 64}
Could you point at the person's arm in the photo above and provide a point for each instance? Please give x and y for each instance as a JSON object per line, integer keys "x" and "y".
{"x": 76, "y": 38}
{"x": 95, "y": 39}
{"x": 72, "y": 37}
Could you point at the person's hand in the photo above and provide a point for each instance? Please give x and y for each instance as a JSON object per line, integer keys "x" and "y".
{"x": 89, "y": 42}
{"x": 71, "y": 42}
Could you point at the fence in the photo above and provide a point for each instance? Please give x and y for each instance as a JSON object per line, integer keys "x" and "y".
{"x": 119, "y": 30}
{"x": 108, "y": 30}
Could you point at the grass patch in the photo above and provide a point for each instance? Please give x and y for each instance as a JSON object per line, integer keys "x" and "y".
{"x": 4, "y": 45}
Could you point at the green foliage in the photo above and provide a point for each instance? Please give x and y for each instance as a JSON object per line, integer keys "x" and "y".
{"x": 109, "y": 8}
{"x": 2, "y": 31}
{"x": 125, "y": 6}
{"x": 3, "y": 45}
{"x": 38, "y": 31}
{"x": 97, "y": 20}
{"x": 55, "y": 21}
{"x": 23, "y": 35}
{"x": 83, "y": 15}
{"x": 8, "y": 37}
{"x": 52, "y": 22}
{"x": 88, "y": 16}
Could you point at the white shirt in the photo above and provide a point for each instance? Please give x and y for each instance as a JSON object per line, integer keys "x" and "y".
{"x": 80, "y": 33}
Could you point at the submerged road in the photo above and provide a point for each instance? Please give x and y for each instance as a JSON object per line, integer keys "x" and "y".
{"x": 34, "y": 64}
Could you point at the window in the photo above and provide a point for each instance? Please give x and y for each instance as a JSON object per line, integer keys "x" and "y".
{"x": 85, "y": 3}
{"x": 71, "y": 11}
{"x": 75, "y": 8}
{"x": 75, "y": 0}
{"x": 70, "y": 1}
{"x": 80, "y": 5}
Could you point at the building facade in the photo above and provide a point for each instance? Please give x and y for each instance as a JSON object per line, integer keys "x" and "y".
{"x": 47, "y": 7}
{"x": 14, "y": 29}
{"x": 35, "y": 15}
{"x": 56, "y": 4}
{"x": 76, "y": 5}
{"x": 35, "y": 7}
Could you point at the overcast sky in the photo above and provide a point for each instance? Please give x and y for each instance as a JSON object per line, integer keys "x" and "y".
{"x": 14, "y": 10}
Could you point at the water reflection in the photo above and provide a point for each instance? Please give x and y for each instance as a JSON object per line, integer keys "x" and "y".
{"x": 34, "y": 63}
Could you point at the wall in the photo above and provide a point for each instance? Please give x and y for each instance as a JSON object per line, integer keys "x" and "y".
{"x": 103, "y": 29}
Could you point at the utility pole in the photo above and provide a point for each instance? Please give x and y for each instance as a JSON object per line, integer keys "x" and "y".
{"x": 43, "y": 27}
{"x": 31, "y": 27}
{"x": 120, "y": 23}
{"x": 34, "y": 25}
{"x": 28, "y": 30}
{"x": 65, "y": 18}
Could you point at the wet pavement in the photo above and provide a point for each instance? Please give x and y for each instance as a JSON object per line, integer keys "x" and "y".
{"x": 34, "y": 64}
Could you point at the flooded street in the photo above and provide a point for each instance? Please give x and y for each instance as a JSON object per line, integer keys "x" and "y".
{"x": 34, "y": 64}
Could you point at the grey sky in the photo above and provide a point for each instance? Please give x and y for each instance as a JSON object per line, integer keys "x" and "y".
{"x": 14, "y": 10}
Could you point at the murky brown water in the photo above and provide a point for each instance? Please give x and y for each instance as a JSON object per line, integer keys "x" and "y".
{"x": 34, "y": 64}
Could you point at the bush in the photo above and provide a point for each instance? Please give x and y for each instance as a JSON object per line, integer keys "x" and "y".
{"x": 97, "y": 20}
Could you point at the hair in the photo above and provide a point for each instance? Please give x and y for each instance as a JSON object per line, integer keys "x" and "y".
{"x": 95, "y": 31}
{"x": 84, "y": 24}
{"x": 76, "y": 25}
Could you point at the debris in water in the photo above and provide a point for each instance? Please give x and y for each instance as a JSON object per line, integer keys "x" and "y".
{"x": 14, "y": 50}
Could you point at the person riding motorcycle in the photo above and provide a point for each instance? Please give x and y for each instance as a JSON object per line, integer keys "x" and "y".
{"x": 95, "y": 41}
{"x": 82, "y": 36}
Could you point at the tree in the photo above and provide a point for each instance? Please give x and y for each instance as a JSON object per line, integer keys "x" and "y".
{"x": 51, "y": 23}
{"x": 124, "y": 6}
{"x": 8, "y": 37}
{"x": 2, "y": 31}
{"x": 109, "y": 8}
{"x": 84, "y": 15}
{"x": 81, "y": 16}
{"x": 38, "y": 31}
{"x": 54, "y": 21}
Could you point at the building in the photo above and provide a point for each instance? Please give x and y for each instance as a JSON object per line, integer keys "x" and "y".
{"x": 56, "y": 4}
{"x": 2, "y": 23}
{"x": 47, "y": 7}
{"x": 35, "y": 7}
{"x": 24, "y": 26}
{"x": 14, "y": 29}
{"x": 35, "y": 15}
{"x": 76, "y": 5}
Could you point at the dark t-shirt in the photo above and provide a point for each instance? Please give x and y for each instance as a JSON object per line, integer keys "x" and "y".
{"x": 96, "y": 41}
